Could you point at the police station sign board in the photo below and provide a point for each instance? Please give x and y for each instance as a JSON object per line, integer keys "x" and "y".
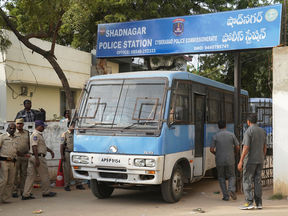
{"x": 234, "y": 30}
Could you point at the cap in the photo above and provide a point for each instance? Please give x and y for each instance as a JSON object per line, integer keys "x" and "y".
{"x": 39, "y": 122}
{"x": 20, "y": 121}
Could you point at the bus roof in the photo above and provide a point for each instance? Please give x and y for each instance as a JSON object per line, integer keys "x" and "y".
{"x": 170, "y": 75}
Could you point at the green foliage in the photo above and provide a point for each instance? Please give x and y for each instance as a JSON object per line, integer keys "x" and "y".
{"x": 4, "y": 41}
{"x": 256, "y": 66}
{"x": 81, "y": 17}
{"x": 277, "y": 196}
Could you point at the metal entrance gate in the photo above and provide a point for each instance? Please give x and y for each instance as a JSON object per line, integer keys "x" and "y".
{"x": 263, "y": 108}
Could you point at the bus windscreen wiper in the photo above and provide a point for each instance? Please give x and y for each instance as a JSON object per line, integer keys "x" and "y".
{"x": 102, "y": 123}
{"x": 139, "y": 123}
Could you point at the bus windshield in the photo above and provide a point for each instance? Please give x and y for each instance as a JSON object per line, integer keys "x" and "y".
{"x": 123, "y": 104}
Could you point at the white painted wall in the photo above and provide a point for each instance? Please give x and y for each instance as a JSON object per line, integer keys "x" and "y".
{"x": 280, "y": 119}
{"x": 21, "y": 67}
{"x": 21, "y": 62}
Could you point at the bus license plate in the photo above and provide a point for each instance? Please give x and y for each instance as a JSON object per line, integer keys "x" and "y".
{"x": 109, "y": 160}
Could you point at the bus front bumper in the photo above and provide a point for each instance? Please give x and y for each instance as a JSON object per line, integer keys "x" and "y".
{"x": 119, "y": 169}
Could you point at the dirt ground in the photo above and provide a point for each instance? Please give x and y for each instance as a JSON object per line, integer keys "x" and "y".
{"x": 141, "y": 203}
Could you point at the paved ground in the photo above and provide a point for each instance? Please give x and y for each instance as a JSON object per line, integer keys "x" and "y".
{"x": 141, "y": 203}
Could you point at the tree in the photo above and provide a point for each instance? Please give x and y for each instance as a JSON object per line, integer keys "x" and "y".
{"x": 80, "y": 29}
{"x": 38, "y": 19}
{"x": 256, "y": 66}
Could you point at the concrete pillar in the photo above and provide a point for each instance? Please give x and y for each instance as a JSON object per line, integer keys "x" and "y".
{"x": 280, "y": 120}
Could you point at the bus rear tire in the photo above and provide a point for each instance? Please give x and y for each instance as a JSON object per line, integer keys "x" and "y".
{"x": 172, "y": 189}
{"x": 100, "y": 189}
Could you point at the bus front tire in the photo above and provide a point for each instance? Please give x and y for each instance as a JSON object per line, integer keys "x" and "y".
{"x": 172, "y": 189}
{"x": 100, "y": 189}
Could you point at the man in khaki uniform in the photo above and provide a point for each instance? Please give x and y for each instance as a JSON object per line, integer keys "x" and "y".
{"x": 66, "y": 147}
{"x": 37, "y": 163}
{"x": 8, "y": 154}
{"x": 22, "y": 163}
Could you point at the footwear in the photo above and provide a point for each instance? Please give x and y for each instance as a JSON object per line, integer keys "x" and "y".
{"x": 15, "y": 195}
{"x": 30, "y": 194}
{"x": 232, "y": 195}
{"x": 6, "y": 202}
{"x": 27, "y": 198}
{"x": 51, "y": 194}
{"x": 67, "y": 188}
{"x": 258, "y": 206}
{"x": 80, "y": 187}
{"x": 246, "y": 205}
{"x": 225, "y": 199}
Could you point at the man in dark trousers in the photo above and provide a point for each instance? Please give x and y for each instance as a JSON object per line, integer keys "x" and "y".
{"x": 66, "y": 148}
{"x": 30, "y": 115}
{"x": 251, "y": 162}
{"x": 224, "y": 145}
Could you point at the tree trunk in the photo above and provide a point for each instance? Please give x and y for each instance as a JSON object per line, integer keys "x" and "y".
{"x": 63, "y": 80}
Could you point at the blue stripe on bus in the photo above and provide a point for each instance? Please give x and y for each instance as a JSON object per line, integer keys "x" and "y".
{"x": 172, "y": 140}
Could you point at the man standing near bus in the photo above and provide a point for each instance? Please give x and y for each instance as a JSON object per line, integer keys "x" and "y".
{"x": 251, "y": 162}
{"x": 224, "y": 145}
{"x": 66, "y": 148}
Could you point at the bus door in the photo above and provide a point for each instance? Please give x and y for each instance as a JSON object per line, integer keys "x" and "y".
{"x": 199, "y": 116}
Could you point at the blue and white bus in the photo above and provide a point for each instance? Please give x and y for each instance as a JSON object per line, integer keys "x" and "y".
{"x": 148, "y": 129}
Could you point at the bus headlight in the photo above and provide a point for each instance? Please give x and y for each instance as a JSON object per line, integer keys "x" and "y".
{"x": 144, "y": 162}
{"x": 150, "y": 163}
{"x": 139, "y": 162}
{"x": 80, "y": 159}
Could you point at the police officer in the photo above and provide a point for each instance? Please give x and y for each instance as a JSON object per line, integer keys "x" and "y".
{"x": 37, "y": 163}
{"x": 66, "y": 148}
{"x": 22, "y": 163}
{"x": 8, "y": 154}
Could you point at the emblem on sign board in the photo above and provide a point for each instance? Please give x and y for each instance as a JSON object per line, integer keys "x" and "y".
{"x": 113, "y": 149}
{"x": 102, "y": 30}
{"x": 178, "y": 27}
{"x": 271, "y": 15}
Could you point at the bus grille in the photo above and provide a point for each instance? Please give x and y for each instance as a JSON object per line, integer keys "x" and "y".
{"x": 113, "y": 175}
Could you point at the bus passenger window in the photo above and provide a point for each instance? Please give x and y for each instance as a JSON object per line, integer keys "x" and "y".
{"x": 214, "y": 105}
{"x": 229, "y": 107}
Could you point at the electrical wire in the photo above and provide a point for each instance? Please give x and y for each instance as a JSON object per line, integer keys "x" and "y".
{"x": 13, "y": 91}
{"x": 29, "y": 68}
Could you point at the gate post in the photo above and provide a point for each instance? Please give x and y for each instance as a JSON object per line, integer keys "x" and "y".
{"x": 237, "y": 97}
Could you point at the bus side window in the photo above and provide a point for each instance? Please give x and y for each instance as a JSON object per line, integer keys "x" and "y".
{"x": 229, "y": 107}
{"x": 179, "y": 109}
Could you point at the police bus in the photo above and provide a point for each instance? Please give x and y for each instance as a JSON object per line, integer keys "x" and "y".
{"x": 148, "y": 130}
